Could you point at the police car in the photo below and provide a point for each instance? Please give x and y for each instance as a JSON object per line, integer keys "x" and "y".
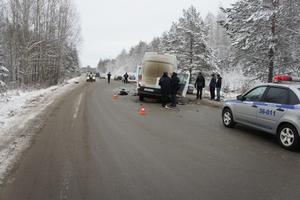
{"x": 272, "y": 107}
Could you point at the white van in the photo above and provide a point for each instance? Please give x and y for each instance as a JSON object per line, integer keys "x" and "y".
{"x": 153, "y": 66}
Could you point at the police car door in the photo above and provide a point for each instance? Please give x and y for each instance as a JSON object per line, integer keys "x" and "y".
{"x": 273, "y": 108}
{"x": 246, "y": 110}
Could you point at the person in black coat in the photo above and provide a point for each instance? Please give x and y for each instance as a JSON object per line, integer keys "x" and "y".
{"x": 126, "y": 78}
{"x": 199, "y": 85}
{"x": 165, "y": 85}
{"x": 212, "y": 86}
{"x": 174, "y": 89}
{"x": 108, "y": 77}
{"x": 219, "y": 86}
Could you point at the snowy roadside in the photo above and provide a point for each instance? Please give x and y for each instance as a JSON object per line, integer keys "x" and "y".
{"x": 16, "y": 113}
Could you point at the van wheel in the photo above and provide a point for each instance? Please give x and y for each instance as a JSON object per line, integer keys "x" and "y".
{"x": 288, "y": 137}
{"x": 141, "y": 97}
{"x": 227, "y": 118}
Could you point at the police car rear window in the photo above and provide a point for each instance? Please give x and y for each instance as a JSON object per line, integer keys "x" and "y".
{"x": 277, "y": 95}
{"x": 294, "y": 100}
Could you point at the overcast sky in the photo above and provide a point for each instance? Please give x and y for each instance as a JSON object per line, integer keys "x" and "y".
{"x": 108, "y": 26}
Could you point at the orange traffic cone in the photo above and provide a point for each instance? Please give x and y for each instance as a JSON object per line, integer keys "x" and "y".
{"x": 142, "y": 111}
{"x": 115, "y": 97}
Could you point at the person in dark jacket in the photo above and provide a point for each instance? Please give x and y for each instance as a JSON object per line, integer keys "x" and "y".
{"x": 219, "y": 86}
{"x": 108, "y": 77}
{"x": 174, "y": 89}
{"x": 199, "y": 85}
{"x": 212, "y": 86}
{"x": 165, "y": 84}
{"x": 126, "y": 78}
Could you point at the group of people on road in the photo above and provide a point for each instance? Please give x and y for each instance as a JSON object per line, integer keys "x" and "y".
{"x": 169, "y": 87}
{"x": 214, "y": 86}
{"x": 125, "y": 76}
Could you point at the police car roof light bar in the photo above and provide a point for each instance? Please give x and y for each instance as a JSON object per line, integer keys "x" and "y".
{"x": 279, "y": 78}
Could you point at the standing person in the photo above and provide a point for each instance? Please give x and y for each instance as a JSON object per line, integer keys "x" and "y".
{"x": 219, "y": 86}
{"x": 165, "y": 82}
{"x": 199, "y": 85}
{"x": 126, "y": 78}
{"x": 212, "y": 86}
{"x": 108, "y": 77}
{"x": 174, "y": 89}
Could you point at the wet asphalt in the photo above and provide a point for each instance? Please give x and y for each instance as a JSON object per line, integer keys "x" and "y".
{"x": 94, "y": 147}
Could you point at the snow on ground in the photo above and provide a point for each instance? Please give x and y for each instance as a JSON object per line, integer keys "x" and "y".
{"x": 235, "y": 83}
{"x": 17, "y": 109}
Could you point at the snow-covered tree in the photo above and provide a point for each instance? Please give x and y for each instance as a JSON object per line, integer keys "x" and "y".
{"x": 218, "y": 40}
{"x": 265, "y": 34}
{"x": 127, "y": 61}
{"x": 187, "y": 39}
{"x": 39, "y": 40}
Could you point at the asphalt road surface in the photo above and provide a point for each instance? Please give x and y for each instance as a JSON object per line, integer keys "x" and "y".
{"x": 92, "y": 147}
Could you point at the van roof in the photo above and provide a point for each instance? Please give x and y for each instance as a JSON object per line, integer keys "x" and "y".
{"x": 164, "y": 58}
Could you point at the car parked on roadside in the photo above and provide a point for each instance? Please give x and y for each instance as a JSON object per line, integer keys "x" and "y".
{"x": 272, "y": 107}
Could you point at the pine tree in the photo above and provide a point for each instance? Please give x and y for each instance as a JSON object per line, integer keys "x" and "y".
{"x": 187, "y": 39}
{"x": 218, "y": 40}
{"x": 265, "y": 35}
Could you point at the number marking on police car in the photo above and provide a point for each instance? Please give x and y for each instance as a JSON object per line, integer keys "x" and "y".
{"x": 267, "y": 112}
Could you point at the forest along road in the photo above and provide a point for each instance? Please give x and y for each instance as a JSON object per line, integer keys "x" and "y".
{"x": 92, "y": 147}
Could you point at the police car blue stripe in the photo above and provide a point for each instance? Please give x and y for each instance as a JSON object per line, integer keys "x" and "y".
{"x": 285, "y": 106}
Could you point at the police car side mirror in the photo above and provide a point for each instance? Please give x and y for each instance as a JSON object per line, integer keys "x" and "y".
{"x": 240, "y": 98}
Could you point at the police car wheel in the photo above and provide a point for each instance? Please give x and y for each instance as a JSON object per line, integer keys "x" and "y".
{"x": 228, "y": 118}
{"x": 288, "y": 137}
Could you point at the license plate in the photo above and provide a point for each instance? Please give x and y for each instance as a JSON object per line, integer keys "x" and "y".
{"x": 149, "y": 90}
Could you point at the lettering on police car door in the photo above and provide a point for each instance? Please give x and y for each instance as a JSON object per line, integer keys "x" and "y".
{"x": 267, "y": 112}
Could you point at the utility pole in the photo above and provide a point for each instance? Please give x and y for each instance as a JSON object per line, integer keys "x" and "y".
{"x": 191, "y": 55}
{"x": 275, "y": 4}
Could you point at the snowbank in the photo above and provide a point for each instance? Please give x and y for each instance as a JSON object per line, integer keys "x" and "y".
{"x": 17, "y": 109}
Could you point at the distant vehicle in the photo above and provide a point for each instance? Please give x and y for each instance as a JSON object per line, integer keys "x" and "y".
{"x": 102, "y": 76}
{"x": 118, "y": 78}
{"x": 273, "y": 108}
{"x": 97, "y": 75}
{"x": 90, "y": 77}
{"x": 132, "y": 78}
{"x": 153, "y": 66}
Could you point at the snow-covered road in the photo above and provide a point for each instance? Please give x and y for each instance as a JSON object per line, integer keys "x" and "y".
{"x": 19, "y": 109}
